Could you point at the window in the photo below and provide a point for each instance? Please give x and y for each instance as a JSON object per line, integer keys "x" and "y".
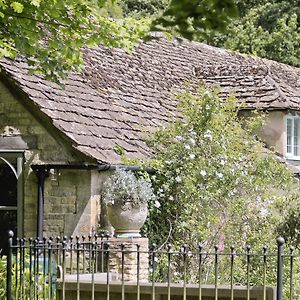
{"x": 11, "y": 198}
{"x": 293, "y": 137}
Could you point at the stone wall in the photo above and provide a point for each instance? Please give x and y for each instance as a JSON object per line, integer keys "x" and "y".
{"x": 71, "y": 202}
{"x": 161, "y": 291}
{"x": 70, "y": 208}
{"x": 273, "y": 132}
{"x": 129, "y": 246}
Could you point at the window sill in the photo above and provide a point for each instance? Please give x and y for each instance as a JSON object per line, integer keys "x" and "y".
{"x": 292, "y": 157}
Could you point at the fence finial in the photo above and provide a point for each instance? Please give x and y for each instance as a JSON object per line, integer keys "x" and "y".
{"x": 280, "y": 241}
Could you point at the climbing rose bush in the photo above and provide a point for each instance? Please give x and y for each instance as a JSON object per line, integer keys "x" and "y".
{"x": 215, "y": 181}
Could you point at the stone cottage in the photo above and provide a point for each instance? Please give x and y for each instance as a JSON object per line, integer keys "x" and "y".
{"x": 58, "y": 144}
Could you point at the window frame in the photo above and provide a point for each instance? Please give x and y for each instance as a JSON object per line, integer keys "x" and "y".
{"x": 19, "y": 157}
{"x": 290, "y": 155}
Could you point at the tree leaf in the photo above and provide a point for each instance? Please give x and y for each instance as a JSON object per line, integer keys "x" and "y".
{"x": 35, "y": 3}
{"x": 17, "y": 7}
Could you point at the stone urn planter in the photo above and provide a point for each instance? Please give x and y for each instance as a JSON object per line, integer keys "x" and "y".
{"x": 126, "y": 198}
{"x": 127, "y": 219}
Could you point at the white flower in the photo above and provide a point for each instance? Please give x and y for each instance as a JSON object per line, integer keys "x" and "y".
{"x": 232, "y": 192}
{"x": 157, "y": 204}
{"x": 178, "y": 179}
{"x": 171, "y": 198}
{"x": 187, "y": 147}
{"x": 264, "y": 212}
{"x": 192, "y": 156}
{"x": 203, "y": 173}
{"x": 193, "y": 142}
{"x": 160, "y": 192}
{"x": 208, "y": 135}
{"x": 178, "y": 137}
{"x": 219, "y": 175}
{"x": 222, "y": 162}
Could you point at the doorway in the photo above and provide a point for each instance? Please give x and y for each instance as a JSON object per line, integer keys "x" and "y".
{"x": 11, "y": 196}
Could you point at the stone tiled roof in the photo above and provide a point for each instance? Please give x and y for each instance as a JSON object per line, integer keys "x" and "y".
{"x": 120, "y": 96}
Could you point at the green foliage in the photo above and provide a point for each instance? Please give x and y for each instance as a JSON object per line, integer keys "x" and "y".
{"x": 189, "y": 18}
{"x": 3, "y": 278}
{"x": 143, "y": 8}
{"x": 183, "y": 18}
{"x": 275, "y": 39}
{"x": 215, "y": 181}
{"x": 266, "y": 29}
{"x": 289, "y": 227}
{"x": 216, "y": 184}
{"x": 51, "y": 33}
{"x": 17, "y": 7}
{"x": 25, "y": 287}
{"x": 111, "y": 9}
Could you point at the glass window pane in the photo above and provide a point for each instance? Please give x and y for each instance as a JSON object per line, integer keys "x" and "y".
{"x": 297, "y": 152}
{"x": 8, "y": 186}
{"x": 289, "y": 136}
{"x": 296, "y": 137}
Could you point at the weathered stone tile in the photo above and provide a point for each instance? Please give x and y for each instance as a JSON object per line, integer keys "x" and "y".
{"x": 119, "y": 94}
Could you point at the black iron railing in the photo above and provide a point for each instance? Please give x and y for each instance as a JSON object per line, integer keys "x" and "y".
{"x": 97, "y": 266}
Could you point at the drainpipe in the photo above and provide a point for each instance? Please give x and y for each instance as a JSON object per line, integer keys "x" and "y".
{"x": 41, "y": 174}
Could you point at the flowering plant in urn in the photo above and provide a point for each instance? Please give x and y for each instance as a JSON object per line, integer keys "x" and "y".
{"x": 126, "y": 197}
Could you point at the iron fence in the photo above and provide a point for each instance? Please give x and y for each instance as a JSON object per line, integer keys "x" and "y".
{"x": 69, "y": 268}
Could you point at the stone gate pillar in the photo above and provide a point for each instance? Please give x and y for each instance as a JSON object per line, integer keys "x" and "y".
{"x": 130, "y": 258}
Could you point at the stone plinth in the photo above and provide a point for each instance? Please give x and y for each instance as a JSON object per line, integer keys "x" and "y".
{"x": 130, "y": 258}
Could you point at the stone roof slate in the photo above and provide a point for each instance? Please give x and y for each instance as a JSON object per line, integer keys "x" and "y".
{"x": 119, "y": 96}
